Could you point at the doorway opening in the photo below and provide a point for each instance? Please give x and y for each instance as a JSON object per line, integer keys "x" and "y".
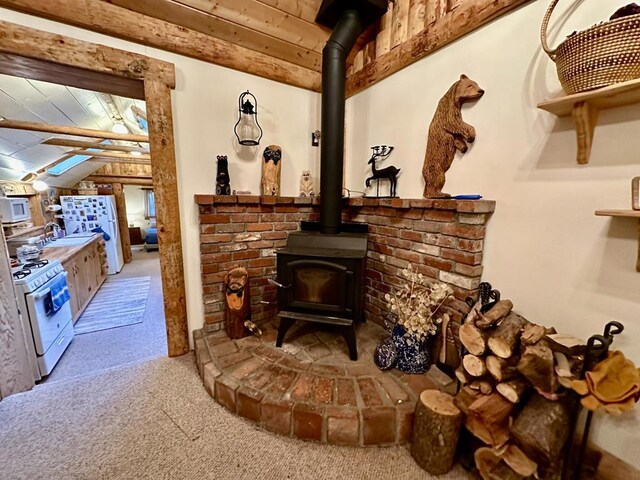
{"x": 47, "y": 58}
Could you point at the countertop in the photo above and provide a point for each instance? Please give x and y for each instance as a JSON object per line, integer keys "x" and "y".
{"x": 65, "y": 253}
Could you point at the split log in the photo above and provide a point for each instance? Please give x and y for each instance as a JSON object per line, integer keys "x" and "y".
{"x": 486, "y": 459}
{"x": 483, "y": 385}
{"x": 542, "y": 429}
{"x": 513, "y": 390}
{"x": 465, "y": 398}
{"x": 488, "y": 419}
{"x": 473, "y": 339}
{"x": 491, "y": 409}
{"x": 502, "y": 471}
{"x": 474, "y": 365}
{"x": 532, "y": 334}
{"x": 499, "y": 311}
{"x": 502, "y": 369}
{"x": 566, "y": 344}
{"x": 537, "y": 365}
{"x": 462, "y": 375}
{"x": 519, "y": 462}
{"x": 504, "y": 339}
{"x": 435, "y": 432}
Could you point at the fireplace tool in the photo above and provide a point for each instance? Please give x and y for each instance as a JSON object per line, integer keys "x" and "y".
{"x": 596, "y": 351}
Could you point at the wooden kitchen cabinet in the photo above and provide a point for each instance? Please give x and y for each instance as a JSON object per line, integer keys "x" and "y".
{"x": 86, "y": 267}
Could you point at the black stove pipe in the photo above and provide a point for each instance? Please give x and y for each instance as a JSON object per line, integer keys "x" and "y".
{"x": 334, "y": 69}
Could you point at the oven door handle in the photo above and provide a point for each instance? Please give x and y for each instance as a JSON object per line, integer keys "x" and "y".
{"x": 279, "y": 285}
{"x": 43, "y": 293}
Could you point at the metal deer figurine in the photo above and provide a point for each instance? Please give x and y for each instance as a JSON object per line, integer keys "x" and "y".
{"x": 382, "y": 152}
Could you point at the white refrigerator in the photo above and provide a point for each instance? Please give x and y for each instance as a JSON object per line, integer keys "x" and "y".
{"x": 84, "y": 213}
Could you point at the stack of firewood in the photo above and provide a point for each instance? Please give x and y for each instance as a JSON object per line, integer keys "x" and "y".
{"x": 512, "y": 397}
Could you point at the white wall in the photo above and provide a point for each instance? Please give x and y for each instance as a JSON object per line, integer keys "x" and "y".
{"x": 134, "y": 198}
{"x": 545, "y": 248}
{"x": 204, "y": 110}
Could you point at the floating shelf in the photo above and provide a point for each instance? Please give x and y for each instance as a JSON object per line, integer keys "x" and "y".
{"x": 627, "y": 214}
{"x": 584, "y": 107}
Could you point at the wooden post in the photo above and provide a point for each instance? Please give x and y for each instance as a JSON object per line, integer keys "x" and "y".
{"x": 16, "y": 371}
{"x": 435, "y": 432}
{"x": 35, "y": 207}
{"x": 165, "y": 187}
{"x": 123, "y": 224}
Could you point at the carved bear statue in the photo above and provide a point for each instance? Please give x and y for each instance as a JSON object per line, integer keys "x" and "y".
{"x": 448, "y": 133}
{"x": 223, "y": 186}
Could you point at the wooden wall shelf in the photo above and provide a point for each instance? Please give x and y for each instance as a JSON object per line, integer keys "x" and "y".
{"x": 626, "y": 214}
{"x": 584, "y": 108}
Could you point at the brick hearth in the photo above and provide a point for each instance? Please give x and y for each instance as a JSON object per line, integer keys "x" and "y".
{"x": 309, "y": 389}
{"x": 443, "y": 239}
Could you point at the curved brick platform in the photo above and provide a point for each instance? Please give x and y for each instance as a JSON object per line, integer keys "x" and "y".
{"x": 309, "y": 389}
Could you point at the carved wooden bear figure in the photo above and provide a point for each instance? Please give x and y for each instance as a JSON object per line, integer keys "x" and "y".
{"x": 448, "y": 133}
{"x": 271, "y": 170}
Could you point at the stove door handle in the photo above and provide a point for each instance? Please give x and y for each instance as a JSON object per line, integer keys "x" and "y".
{"x": 279, "y": 285}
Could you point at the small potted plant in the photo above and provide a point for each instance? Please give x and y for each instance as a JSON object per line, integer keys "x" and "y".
{"x": 415, "y": 314}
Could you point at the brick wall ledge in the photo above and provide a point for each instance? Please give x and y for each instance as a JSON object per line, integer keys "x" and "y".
{"x": 465, "y": 206}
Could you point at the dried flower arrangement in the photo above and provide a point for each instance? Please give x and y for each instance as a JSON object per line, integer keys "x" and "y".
{"x": 415, "y": 306}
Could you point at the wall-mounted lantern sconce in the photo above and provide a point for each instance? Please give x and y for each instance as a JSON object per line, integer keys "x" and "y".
{"x": 247, "y": 129}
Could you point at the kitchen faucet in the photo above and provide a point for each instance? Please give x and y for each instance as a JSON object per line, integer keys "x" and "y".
{"x": 55, "y": 229}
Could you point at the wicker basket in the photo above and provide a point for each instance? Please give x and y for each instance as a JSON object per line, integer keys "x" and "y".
{"x": 599, "y": 56}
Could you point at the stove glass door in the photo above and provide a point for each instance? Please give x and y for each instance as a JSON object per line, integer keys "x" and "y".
{"x": 317, "y": 285}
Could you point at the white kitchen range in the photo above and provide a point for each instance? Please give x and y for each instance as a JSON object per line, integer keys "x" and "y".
{"x": 43, "y": 300}
{"x": 88, "y": 213}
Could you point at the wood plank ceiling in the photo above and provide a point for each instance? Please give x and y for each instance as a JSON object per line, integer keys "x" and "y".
{"x": 24, "y": 151}
{"x": 276, "y": 39}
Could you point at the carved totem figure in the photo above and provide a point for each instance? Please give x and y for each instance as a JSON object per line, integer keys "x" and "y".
{"x": 271, "y": 171}
{"x": 448, "y": 133}
{"x": 237, "y": 302}
{"x": 223, "y": 186}
{"x": 306, "y": 185}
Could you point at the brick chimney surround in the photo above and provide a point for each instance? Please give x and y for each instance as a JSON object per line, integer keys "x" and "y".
{"x": 310, "y": 389}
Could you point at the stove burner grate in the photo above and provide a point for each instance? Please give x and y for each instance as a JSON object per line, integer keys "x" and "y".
{"x": 25, "y": 272}
{"x": 38, "y": 264}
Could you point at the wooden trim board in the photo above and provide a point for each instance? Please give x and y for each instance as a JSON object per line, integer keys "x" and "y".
{"x": 158, "y": 78}
{"x": 16, "y": 371}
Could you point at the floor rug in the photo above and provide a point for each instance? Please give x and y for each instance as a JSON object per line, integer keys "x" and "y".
{"x": 120, "y": 302}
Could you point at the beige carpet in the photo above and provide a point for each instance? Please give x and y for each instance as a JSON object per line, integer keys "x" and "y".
{"x": 154, "y": 420}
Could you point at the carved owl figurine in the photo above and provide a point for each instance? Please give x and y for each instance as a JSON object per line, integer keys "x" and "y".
{"x": 271, "y": 166}
{"x": 306, "y": 185}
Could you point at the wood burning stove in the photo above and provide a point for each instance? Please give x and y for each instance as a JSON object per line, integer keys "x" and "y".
{"x": 321, "y": 279}
{"x": 321, "y": 270}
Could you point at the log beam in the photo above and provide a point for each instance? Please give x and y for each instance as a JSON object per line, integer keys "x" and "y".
{"x": 123, "y": 157}
{"x": 142, "y": 181}
{"x": 165, "y": 186}
{"x": 123, "y": 224}
{"x": 102, "y": 17}
{"x": 63, "y": 142}
{"x": 66, "y": 130}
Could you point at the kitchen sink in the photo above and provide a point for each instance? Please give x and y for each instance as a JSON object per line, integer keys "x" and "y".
{"x": 68, "y": 242}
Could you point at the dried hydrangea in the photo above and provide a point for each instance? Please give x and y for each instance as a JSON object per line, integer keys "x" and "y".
{"x": 415, "y": 306}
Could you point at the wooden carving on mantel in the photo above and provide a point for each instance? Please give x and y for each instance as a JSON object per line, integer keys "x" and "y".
{"x": 271, "y": 171}
{"x": 448, "y": 133}
{"x": 223, "y": 187}
{"x": 237, "y": 302}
